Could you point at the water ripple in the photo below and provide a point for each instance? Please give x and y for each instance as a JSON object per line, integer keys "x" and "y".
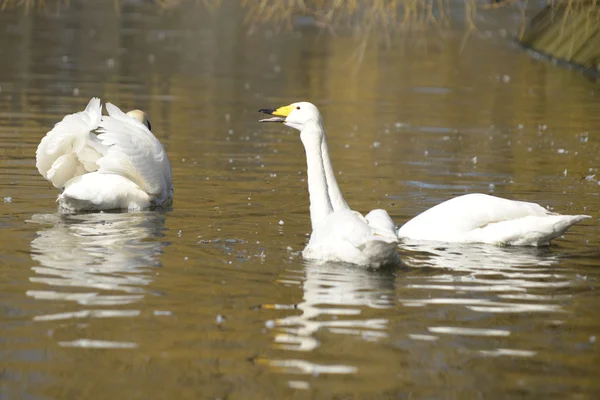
{"x": 455, "y": 330}
{"x": 85, "y": 258}
{"x": 335, "y": 299}
{"x": 88, "y": 314}
{"x": 332, "y": 293}
{"x": 98, "y": 344}
{"x": 477, "y": 283}
{"x": 308, "y": 368}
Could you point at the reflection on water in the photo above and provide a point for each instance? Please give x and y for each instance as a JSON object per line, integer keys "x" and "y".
{"x": 334, "y": 300}
{"x": 474, "y": 257}
{"x": 472, "y": 282}
{"x": 508, "y": 273}
{"x": 483, "y": 286}
{"x": 419, "y": 125}
{"x": 99, "y": 259}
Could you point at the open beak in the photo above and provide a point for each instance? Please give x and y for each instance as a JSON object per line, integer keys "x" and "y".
{"x": 279, "y": 114}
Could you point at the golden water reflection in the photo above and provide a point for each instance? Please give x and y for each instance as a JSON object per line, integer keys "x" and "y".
{"x": 417, "y": 125}
{"x": 471, "y": 279}
{"x": 509, "y": 273}
{"x": 334, "y": 300}
{"x": 98, "y": 259}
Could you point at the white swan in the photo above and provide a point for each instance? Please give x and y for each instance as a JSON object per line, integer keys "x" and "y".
{"x": 472, "y": 218}
{"x": 123, "y": 167}
{"x": 338, "y": 233}
{"x": 481, "y": 218}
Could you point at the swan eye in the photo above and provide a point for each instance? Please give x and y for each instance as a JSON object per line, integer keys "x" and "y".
{"x": 149, "y": 126}
{"x": 297, "y": 107}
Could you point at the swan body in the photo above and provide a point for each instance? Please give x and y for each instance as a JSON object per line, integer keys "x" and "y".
{"x": 481, "y": 218}
{"x": 347, "y": 236}
{"x": 105, "y": 162}
{"x": 338, "y": 233}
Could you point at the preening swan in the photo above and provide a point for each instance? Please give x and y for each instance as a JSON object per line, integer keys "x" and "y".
{"x": 124, "y": 166}
{"x": 481, "y": 218}
{"x": 338, "y": 233}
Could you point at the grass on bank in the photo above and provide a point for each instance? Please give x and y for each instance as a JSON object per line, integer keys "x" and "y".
{"x": 565, "y": 29}
{"x": 388, "y": 15}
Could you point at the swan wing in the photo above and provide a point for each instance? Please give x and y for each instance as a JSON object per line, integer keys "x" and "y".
{"x": 465, "y": 213}
{"x": 134, "y": 152}
{"x": 526, "y": 231}
{"x": 488, "y": 219}
{"x": 71, "y": 148}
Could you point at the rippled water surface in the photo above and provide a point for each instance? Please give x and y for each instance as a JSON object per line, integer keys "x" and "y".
{"x": 211, "y": 299}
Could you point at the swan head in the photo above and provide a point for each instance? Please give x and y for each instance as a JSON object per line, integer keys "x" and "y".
{"x": 296, "y": 115}
{"x": 142, "y": 117}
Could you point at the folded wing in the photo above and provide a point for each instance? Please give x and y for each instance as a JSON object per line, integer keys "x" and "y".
{"x": 481, "y": 218}
{"x": 71, "y": 148}
{"x": 133, "y": 152}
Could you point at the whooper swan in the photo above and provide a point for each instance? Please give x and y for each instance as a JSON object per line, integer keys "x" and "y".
{"x": 124, "y": 166}
{"x": 471, "y": 218}
{"x": 338, "y": 233}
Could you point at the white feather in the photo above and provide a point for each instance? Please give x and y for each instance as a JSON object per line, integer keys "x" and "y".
{"x": 338, "y": 233}
{"x": 70, "y": 148}
{"x": 134, "y": 152}
{"x": 347, "y": 236}
{"x": 481, "y": 218}
{"x": 124, "y": 167}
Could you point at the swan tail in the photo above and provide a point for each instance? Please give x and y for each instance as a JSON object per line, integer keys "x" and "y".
{"x": 528, "y": 231}
{"x": 71, "y": 148}
{"x": 379, "y": 219}
{"x": 564, "y": 222}
{"x": 380, "y": 250}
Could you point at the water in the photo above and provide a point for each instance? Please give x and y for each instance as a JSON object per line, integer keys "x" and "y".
{"x": 212, "y": 299}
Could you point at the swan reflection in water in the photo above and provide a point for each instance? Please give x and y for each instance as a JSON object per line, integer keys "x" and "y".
{"x": 335, "y": 295}
{"x": 473, "y": 257}
{"x": 477, "y": 278}
{"x": 485, "y": 280}
{"x": 97, "y": 258}
{"x": 335, "y": 299}
{"x": 486, "y": 268}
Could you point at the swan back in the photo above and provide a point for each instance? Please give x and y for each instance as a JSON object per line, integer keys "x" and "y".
{"x": 468, "y": 212}
{"x": 123, "y": 167}
{"x": 481, "y": 218}
{"x": 135, "y": 153}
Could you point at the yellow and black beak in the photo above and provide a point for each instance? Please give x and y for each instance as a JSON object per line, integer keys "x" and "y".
{"x": 279, "y": 113}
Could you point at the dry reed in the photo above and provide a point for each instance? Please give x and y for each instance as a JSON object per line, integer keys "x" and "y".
{"x": 386, "y": 17}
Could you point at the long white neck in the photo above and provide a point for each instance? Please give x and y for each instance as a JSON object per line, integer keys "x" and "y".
{"x": 320, "y": 205}
{"x": 335, "y": 194}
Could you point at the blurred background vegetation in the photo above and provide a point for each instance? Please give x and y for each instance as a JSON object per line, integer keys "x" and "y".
{"x": 384, "y": 15}
{"x": 565, "y": 30}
